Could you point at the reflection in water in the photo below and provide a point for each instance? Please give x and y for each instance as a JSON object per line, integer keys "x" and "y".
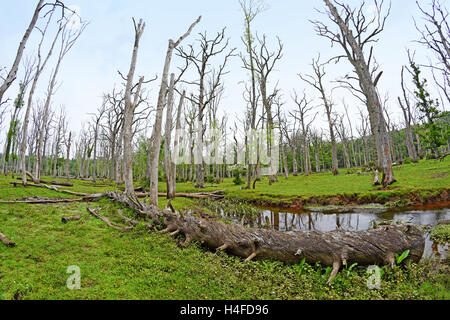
{"x": 286, "y": 221}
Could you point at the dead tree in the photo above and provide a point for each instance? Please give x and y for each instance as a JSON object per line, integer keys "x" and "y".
{"x": 265, "y": 62}
{"x": 58, "y": 136}
{"x": 68, "y": 39}
{"x": 201, "y": 60}
{"x": 251, "y": 10}
{"x": 68, "y": 143}
{"x": 6, "y": 83}
{"x": 170, "y": 174}
{"x": 435, "y": 35}
{"x": 113, "y": 127}
{"x": 334, "y": 248}
{"x": 178, "y": 141}
{"x": 282, "y": 128}
{"x": 301, "y": 114}
{"x": 13, "y": 132}
{"x": 316, "y": 81}
{"x": 130, "y": 106}
{"x": 352, "y": 142}
{"x": 407, "y": 114}
{"x": 355, "y": 32}
{"x": 97, "y": 117}
{"x": 340, "y": 126}
{"x": 155, "y": 144}
{"x": 40, "y": 66}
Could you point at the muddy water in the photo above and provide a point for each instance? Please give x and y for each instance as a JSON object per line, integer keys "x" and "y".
{"x": 358, "y": 219}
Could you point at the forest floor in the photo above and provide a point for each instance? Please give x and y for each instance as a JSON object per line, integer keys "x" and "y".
{"x": 141, "y": 264}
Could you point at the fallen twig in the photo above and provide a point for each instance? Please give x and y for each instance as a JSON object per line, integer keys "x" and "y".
{"x": 6, "y": 241}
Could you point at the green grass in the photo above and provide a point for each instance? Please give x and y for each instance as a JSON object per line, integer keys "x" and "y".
{"x": 441, "y": 233}
{"x": 424, "y": 179}
{"x": 145, "y": 265}
{"x": 140, "y": 264}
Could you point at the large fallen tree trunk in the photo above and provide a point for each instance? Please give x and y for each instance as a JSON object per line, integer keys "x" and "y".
{"x": 6, "y": 241}
{"x": 335, "y": 248}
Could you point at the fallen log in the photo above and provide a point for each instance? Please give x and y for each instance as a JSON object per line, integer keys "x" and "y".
{"x": 55, "y": 183}
{"x": 44, "y": 200}
{"x": 63, "y": 184}
{"x": 54, "y": 188}
{"x": 6, "y": 241}
{"x": 335, "y": 248}
{"x": 71, "y": 218}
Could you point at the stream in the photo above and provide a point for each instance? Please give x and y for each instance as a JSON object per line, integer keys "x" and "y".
{"x": 356, "y": 219}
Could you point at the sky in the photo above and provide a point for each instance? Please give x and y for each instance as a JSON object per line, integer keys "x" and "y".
{"x": 90, "y": 68}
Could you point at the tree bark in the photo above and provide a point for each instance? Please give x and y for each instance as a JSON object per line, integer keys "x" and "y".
{"x": 156, "y": 141}
{"x": 335, "y": 248}
{"x": 368, "y": 88}
{"x": 170, "y": 174}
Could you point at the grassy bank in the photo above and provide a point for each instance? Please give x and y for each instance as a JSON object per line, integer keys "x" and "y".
{"x": 425, "y": 182}
{"x": 140, "y": 264}
{"x": 145, "y": 265}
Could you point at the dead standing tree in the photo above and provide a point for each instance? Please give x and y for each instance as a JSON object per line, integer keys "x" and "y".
{"x": 6, "y": 83}
{"x": 130, "y": 105}
{"x": 435, "y": 35}
{"x": 355, "y": 33}
{"x": 155, "y": 140}
{"x": 40, "y": 66}
{"x": 316, "y": 81}
{"x": 405, "y": 105}
{"x": 209, "y": 49}
{"x": 170, "y": 172}
{"x": 69, "y": 37}
{"x": 251, "y": 9}
{"x": 301, "y": 115}
{"x": 265, "y": 61}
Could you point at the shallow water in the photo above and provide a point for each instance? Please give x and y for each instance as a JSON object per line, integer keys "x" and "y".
{"x": 359, "y": 220}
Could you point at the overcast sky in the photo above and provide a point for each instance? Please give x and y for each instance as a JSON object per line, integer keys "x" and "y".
{"x": 90, "y": 69}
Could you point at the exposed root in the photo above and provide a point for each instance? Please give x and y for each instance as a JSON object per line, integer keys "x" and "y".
{"x": 222, "y": 247}
{"x": 334, "y": 272}
{"x": 163, "y": 231}
{"x": 250, "y": 257}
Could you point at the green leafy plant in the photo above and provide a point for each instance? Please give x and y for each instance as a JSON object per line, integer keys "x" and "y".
{"x": 400, "y": 258}
{"x": 351, "y": 268}
{"x": 300, "y": 267}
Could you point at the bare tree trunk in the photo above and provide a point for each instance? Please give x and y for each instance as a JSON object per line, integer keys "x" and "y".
{"x": 170, "y": 174}
{"x": 176, "y": 146}
{"x": 68, "y": 156}
{"x": 368, "y": 88}
{"x": 156, "y": 143}
{"x": 127, "y": 129}
{"x": 13, "y": 71}
{"x": 39, "y": 68}
{"x": 68, "y": 39}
